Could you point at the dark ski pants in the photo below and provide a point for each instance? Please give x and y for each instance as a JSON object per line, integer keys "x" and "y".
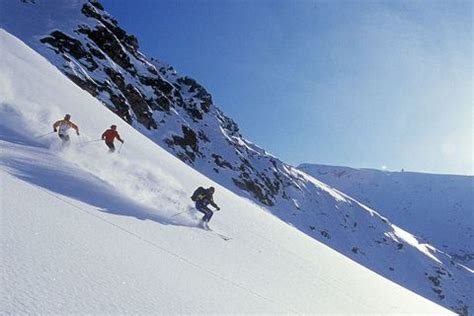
{"x": 111, "y": 147}
{"x": 201, "y": 207}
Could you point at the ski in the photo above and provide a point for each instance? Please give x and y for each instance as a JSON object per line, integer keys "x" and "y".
{"x": 207, "y": 228}
{"x": 224, "y": 237}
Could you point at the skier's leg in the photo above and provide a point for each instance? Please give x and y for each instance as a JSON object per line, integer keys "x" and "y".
{"x": 65, "y": 139}
{"x": 208, "y": 215}
{"x": 111, "y": 147}
{"x": 204, "y": 209}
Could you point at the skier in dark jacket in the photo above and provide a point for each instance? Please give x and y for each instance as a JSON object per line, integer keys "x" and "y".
{"x": 203, "y": 198}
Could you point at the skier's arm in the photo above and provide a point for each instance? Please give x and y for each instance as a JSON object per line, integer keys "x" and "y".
{"x": 103, "y": 135}
{"x": 56, "y": 124}
{"x": 211, "y": 201}
{"x": 75, "y": 127}
{"x": 118, "y": 137}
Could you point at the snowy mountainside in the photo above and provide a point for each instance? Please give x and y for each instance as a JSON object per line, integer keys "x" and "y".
{"x": 436, "y": 208}
{"x": 177, "y": 113}
{"x": 84, "y": 231}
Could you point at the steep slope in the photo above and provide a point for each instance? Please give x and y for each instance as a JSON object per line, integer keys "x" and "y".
{"x": 78, "y": 238}
{"x": 174, "y": 111}
{"x": 437, "y": 208}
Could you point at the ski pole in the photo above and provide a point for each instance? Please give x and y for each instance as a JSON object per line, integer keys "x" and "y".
{"x": 45, "y": 135}
{"x": 91, "y": 141}
{"x": 178, "y": 214}
{"x": 88, "y": 142}
{"x": 121, "y": 144}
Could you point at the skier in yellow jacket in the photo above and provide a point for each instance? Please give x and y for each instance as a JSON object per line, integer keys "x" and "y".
{"x": 62, "y": 127}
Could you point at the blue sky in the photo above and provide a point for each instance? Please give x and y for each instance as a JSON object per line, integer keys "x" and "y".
{"x": 377, "y": 84}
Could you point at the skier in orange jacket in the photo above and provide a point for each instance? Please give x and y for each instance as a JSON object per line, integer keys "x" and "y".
{"x": 64, "y": 125}
{"x": 109, "y": 136}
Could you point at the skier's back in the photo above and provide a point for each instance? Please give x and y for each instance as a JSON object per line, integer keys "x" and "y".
{"x": 203, "y": 197}
{"x": 109, "y": 136}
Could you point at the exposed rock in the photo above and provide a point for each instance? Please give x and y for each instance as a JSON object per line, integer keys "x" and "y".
{"x": 63, "y": 43}
{"x": 186, "y": 142}
{"x": 109, "y": 44}
{"x": 255, "y": 188}
{"x": 85, "y": 84}
{"x": 221, "y": 162}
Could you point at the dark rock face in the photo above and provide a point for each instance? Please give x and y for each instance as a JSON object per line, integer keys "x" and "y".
{"x": 200, "y": 93}
{"x": 188, "y": 142}
{"x": 65, "y": 44}
{"x": 256, "y": 188}
{"x": 221, "y": 162}
{"x": 85, "y": 84}
{"x": 109, "y": 44}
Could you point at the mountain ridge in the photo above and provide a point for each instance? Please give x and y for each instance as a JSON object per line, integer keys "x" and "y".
{"x": 411, "y": 199}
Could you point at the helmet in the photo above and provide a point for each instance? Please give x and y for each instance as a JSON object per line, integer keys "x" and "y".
{"x": 113, "y": 126}
{"x": 67, "y": 116}
{"x": 212, "y": 189}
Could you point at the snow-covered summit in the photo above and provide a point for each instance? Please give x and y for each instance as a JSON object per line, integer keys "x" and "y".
{"x": 87, "y": 44}
{"x": 87, "y": 232}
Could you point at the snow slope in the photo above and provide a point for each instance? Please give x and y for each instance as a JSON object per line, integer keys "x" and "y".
{"x": 436, "y": 208}
{"x": 83, "y": 231}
